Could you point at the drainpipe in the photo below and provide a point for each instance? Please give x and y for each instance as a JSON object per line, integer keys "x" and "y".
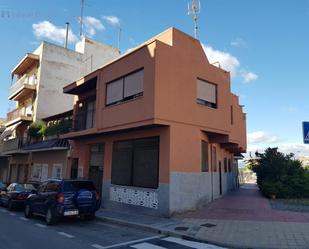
{"x": 66, "y": 34}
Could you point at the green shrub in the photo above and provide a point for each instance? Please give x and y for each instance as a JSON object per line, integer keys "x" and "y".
{"x": 36, "y": 130}
{"x": 280, "y": 175}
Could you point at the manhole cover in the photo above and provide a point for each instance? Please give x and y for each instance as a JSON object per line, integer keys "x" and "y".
{"x": 208, "y": 225}
{"x": 181, "y": 228}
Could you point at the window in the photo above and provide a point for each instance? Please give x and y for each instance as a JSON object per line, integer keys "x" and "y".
{"x": 136, "y": 163}
{"x": 90, "y": 114}
{"x": 57, "y": 171}
{"x": 125, "y": 88}
{"x": 204, "y": 156}
{"x": 225, "y": 164}
{"x": 206, "y": 93}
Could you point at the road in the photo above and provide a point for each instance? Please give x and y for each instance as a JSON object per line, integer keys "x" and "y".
{"x": 17, "y": 232}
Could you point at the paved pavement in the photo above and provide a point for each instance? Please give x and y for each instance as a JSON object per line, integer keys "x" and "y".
{"x": 242, "y": 219}
{"x": 17, "y": 232}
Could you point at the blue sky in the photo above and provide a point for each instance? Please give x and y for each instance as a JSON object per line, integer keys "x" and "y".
{"x": 264, "y": 43}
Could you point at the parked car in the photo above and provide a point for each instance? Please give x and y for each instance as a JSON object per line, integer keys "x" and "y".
{"x": 55, "y": 199}
{"x": 15, "y": 195}
{"x": 3, "y": 186}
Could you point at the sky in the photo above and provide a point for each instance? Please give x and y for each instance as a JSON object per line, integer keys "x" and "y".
{"x": 263, "y": 43}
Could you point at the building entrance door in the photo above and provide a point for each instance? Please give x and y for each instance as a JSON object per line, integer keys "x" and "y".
{"x": 96, "y": 165}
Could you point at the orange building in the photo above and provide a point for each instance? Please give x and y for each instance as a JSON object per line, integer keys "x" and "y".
{"x": 158, "y": 128}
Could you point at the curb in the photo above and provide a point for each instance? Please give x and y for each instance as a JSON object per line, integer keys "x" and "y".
{"x": 166, "y": 232}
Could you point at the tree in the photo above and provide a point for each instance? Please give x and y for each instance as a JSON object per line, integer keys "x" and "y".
{"x": 279, "y": 174}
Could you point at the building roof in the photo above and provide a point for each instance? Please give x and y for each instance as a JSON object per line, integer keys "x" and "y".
{"x": 52, "y": 144}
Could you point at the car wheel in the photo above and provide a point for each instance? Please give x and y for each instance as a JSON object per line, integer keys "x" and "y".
{"x": 28, "y": 211}
{"x": 10, "y": 205}
{"x": 50, "y": 217}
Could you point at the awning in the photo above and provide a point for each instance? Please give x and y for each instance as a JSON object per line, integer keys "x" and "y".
{"x": 27, "y": 62}
{"x": 52, "y": 144}
{"x": 9, "y": 130}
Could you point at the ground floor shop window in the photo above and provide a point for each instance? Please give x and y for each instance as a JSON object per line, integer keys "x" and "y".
{"x": 136, "y": 162}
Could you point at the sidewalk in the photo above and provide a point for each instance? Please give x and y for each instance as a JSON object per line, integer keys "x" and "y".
{"x": 242, "y": 219}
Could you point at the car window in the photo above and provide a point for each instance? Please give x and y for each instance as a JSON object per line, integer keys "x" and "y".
{"x": 78, "y": 185}
{"x": 19, "y": 187}
{"x": 42, "y": 187}
{"x": 52, "y": 187}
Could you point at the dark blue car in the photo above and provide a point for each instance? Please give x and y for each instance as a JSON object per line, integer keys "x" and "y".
{"x": 58, "y": 198}
{"x": 15, "y": 195}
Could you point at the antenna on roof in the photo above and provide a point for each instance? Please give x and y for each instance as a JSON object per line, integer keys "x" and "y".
{"x": 82, "y": 4}
{"x": 194, "y": 8}
{"x": 119, "y": 37}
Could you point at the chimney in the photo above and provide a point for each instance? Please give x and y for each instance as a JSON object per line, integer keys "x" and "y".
{"x": 66, "y": 34}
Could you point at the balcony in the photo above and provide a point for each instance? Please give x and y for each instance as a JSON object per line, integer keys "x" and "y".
{"x": 23, "y": 87}
{"x": 84, "y": 120}
{"x": 12, "y": 145}
{"x": 19, "y": 114}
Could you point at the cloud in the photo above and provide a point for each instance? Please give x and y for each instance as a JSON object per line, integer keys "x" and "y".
{"x": 112, "y": 20}
{"x": 227, "y": 61}
{"x": 248, "y": 76}
{"x": 238, "y": 42}
{"x": 47, "y": 30}
{"x": 92, "y": 25}
{"x": 261, "y": 137}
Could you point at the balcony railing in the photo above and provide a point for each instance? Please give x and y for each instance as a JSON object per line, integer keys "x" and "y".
{"x": 26, "y": 81}
{"x": 84, "y": 120}
{"x": 12, "y": 144}
{"x": 22, "y": 113}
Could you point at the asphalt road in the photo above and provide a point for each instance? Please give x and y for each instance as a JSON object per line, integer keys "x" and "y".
{"x": 17, "y": 232}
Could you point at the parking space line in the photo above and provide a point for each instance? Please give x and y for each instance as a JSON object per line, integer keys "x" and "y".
{"x": 66, "y": 235}
{"x": 131, "y": 242}
{"x": 98, "y": 246}
{"x": 12, "y": 214}
{"x": 40, "y": 225}
{"x": 23, "y": 218}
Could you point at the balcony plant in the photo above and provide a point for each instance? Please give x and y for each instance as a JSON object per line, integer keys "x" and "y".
{"x": 58, "y": 128}
{"x": 36, "y": 131}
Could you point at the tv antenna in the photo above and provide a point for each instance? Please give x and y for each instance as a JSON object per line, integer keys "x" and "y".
{"x": 82, "y": 5}
{"x": 194, "y": 7}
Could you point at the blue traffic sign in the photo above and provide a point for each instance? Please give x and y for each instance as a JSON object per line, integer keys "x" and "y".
{"x": 306, "y": 132}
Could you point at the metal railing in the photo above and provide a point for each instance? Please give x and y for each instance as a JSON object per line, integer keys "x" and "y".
{"x": 80, "y": 120}
{"x": 24, "y": 80}
{"x": 18, "y": 112}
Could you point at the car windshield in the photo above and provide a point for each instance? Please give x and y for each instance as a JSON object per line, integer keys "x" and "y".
{"x": 24, "y": 187}
{"x": 78, "y": 185}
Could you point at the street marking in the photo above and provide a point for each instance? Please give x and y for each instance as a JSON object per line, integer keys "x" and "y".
{"x": 4, "y": 211}
{"x": 40, "y": 225}
{"x": 23, "y": 218}
{"x": 66, "y": 235}
{"x": 12, "y": 214}
{"x": 132, "y": 242}
{"x": 189, "y": 243}
{"x": 147, "y": 245}
{"x": 98, "y": 246}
